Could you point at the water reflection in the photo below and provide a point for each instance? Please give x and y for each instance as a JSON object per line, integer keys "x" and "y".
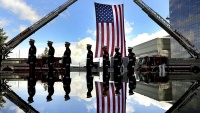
{"x": 78, "y": 102}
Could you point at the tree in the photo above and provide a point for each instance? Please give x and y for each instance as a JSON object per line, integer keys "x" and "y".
{"x": 3, "y": 36}
{"x": 44, "y": 54}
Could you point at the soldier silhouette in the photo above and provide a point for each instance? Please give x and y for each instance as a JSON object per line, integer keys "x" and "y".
{"x": 66, "y": 64}
{"x": 50, "y": 57}
{"x": 50, "y": 78}
{"x": 89, "y": 65}
{"x": 32, "y": 58}
{"x": 106, "y": 75}
{"x": 67, "y": 59}
{"x": 117, "y": 74}
{"x": 130, "y": 68}
{"x": 31, "y": 79}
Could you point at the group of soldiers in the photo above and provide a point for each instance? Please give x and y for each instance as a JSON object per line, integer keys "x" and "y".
{"x": 89, "y": 65}
{"x": 50, "y": 79}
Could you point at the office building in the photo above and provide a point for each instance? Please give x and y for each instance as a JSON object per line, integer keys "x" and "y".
{"x": 184, "y": 17}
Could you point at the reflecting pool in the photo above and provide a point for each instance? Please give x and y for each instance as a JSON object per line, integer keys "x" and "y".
{"x": 78, "y": 103}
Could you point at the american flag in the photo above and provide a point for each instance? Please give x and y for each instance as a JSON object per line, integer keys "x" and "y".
{"x": 110, "y": 28}
{"x": 110, "y": 103}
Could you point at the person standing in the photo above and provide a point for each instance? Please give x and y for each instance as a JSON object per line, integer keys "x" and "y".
{"x": 50, "y": 57}
{"x": 106, "y": 75}
{"x": 67, "y": 59}
{"x": 50, "y": 78}
{"x": 31, "y": 79}
{"x": 89, "y": 65}
{"x": 66, "y": 78}
{"x": 117, "y": 74}
{"x": 130, "y": 68}
{"x": 32, "y": 58}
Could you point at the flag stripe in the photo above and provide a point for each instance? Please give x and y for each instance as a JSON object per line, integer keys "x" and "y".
{"x": 102, "y": 39}
{"x": 113, "y": 39}
{"x": 111, "y": 103}
{"x": 121, "y": 29}
{"x": 110, "y": 33}
{"x": 97, "y": 92}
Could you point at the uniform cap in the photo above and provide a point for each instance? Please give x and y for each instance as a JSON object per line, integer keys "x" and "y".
{"x": 104, "y": 47}
{"x": 116, "y": 47}
{"x": 50, "y": 42}
{"x": 67, "y": 43}
{"x": 130, "y": 47}
{"x": 31, "y": 40}
{"x": 89, "y": 45}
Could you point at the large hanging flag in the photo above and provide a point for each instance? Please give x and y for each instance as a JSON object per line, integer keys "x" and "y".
{"x": 110, "y": 103}
{"x": 110, "y": 28}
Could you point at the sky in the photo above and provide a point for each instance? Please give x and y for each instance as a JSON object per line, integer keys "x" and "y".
{"x": 136, "y": 103}
{"x": 76, "y": 24}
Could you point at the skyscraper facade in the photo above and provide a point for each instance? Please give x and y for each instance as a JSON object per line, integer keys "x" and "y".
{"x": 185, "y": 17}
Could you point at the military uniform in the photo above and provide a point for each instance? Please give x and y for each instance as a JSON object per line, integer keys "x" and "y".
{"x": 106, "y": 75}
{"x": 66, "y": 87}
{"x": 31, "y": 88}
{"x": 89, "y": 77}
{"x": 51, "y": 58}
{"x": 117, "y": 74}
{"x": 32, "y": 58}
{"x": 67, "y": 60}
{"x": 130, "y": 68}
{"x": 50, "y": 82}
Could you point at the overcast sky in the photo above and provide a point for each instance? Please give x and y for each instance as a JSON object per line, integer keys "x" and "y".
{"x": 76, "y": 24}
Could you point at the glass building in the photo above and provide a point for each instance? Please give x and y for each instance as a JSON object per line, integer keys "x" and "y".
{"x": 185, "y": 17}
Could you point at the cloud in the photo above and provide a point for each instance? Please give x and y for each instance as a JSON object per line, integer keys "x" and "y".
{"x": 20, "y": 8}
{"x": 146, "y": 101}
{"x": 89, "y": 31}
{"x": 129, "y": 108}
{"x": 128, "y": 27}
{"x": 3, "y": 23}
{"x": 141, "y": 38}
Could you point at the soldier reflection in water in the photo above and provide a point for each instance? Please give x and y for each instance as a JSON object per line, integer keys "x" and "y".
{"x": 117, "y": 74}
{"x": 31, "y": 88}
{"x": 89, "y": 77}
{"x": 106, "y": 75}
{"x": 66, "y": 87}
{"x": 66, "y": 64}
{"x": 50, "y": 79}
{"x": 31, "y": 79}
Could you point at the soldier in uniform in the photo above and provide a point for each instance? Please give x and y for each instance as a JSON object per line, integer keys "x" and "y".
{"x": 32, "y": 58}
{"x": 50, "y": 57}
{"x": 130, "y": 68}
{"x": 67, "y": 59}
{"x": 89, "y": 65}
{"x": 106, "y": 75}
{"x": 66, "y": 78}
{"x": 50, "y": 78}
{"x": 117, "y": 74}
{"x": 31, "y": 79}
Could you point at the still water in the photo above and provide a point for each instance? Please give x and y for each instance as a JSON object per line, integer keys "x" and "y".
{"x": 78, "y": 102}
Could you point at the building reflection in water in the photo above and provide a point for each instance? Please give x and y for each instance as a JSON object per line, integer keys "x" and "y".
{"x": 136, "y": 103}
